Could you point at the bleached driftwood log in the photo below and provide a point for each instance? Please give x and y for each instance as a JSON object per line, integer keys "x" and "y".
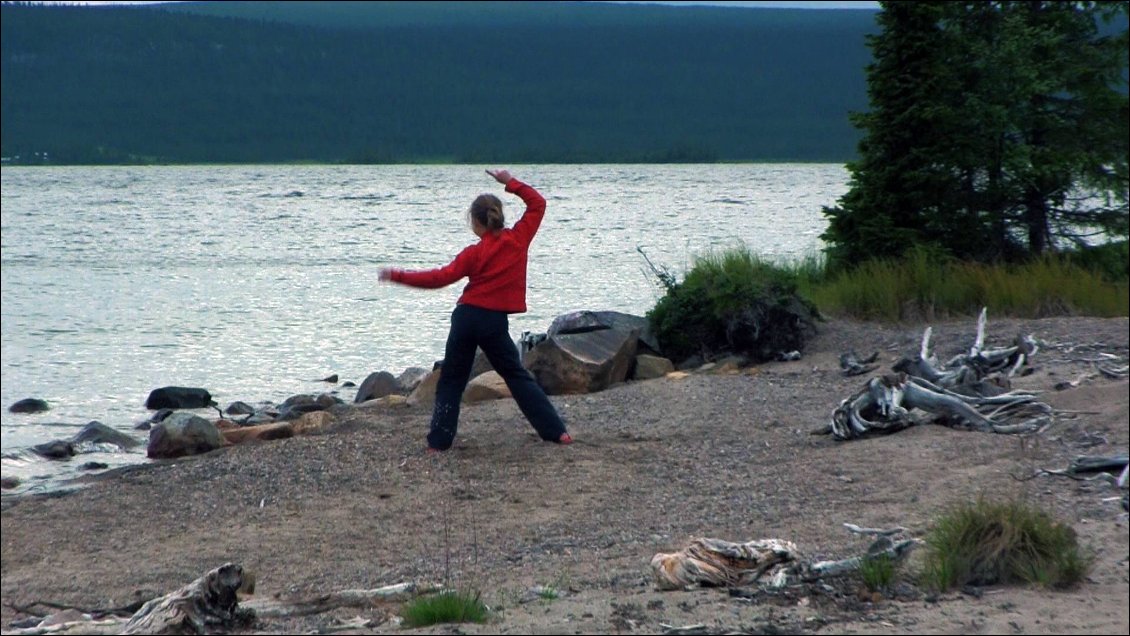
{"x": 271, "y": 608}
{"x": 207, "y": 602}
{"x": 210, "y": 602}
{"x": 772, "y": 563}
{"x": 887, "y": 402}
{"x": 976, "y": 372}
{"x": 970, "y": 390}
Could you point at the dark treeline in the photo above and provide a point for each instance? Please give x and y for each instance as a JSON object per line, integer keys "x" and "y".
{"x": 444, "y": 82}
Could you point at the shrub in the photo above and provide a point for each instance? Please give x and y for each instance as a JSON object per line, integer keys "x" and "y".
{"x": 877, "y": 572}
{"x": 732, "y": 302}
{"x": 445, "y": 607}
{"x": 984, "y": 543}
{"x": 1109, "y": 260}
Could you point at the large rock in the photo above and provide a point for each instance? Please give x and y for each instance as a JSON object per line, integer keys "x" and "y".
{"x": 315, "y": 422}
{"x": 649, "y": 367}
{"x": 488, "y": 386}
{"x": 377, "y": 385}
{"x": 183, "y": 434}
{"x": 262, "y": 432}
{"x": 57, "y": 449}
{"x": 29, "y": 405}
{"x": 178, "y": 397}
{"x": 583, "y": 362}
{"x": 424, "y": 395}
{"x": 98, "y": 433}
{"x": 411, "y": 378}
{"x": 585, "y": 321}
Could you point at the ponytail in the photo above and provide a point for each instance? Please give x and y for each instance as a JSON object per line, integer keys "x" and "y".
{"x": 486, "y": 210}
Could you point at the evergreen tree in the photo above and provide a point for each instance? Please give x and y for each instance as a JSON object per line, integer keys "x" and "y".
{"x": 996, "y": 130}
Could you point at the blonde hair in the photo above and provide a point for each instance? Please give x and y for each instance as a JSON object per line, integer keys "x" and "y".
{"x": 486, "y": 210}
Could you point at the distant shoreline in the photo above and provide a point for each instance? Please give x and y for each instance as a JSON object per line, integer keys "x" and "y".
{"x": 9, "y": 164}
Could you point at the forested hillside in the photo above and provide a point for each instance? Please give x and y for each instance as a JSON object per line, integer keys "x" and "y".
{"x": 411, "y": 82}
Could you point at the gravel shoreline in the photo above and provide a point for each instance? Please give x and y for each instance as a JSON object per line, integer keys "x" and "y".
{"x": 655, "y": 464}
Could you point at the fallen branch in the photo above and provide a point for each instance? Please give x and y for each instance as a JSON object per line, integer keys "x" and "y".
{"x": 970, "y": 391}
{"x": 886, "y": 402}
{"x": 852, "y": 365}
{"x": 268, "y": 608}
{"x": 195, "y": 608}
{"x": 876, "y": 531}
{"x": 718, "y": 563}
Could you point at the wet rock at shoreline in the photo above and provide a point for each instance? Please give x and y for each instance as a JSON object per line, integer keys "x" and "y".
{"x": 377, "y": 385}
{"x": 55, "y": 450}
{"x": 178, "y": 397}
{"x": 29, "y": 405}
{"x": 183, "y": 434}
{"x": 98, "y": 433}
{"x": 239, "y": 408}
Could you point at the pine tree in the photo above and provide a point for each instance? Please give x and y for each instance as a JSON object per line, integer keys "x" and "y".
{"x": 997, "y": 130}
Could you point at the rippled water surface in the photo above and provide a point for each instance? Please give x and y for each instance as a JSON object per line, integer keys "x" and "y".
{"x": 255, "y": 282}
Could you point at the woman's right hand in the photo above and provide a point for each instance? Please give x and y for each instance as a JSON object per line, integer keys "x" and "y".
{"x": 502, "y": 176}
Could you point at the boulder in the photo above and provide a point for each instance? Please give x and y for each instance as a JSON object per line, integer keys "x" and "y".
{"x": 424, "y": 395}
{"x": 262, "y": 432}
{"x": 377, "y": 385}
{"x": 488, "y": 386}
{"x": 583, "y": 362}
{"x": 29, "y": 405}
{"x": 410, "y": 379}
{"x": 584, "y": 321}
{"x": 183, "y": 434}
{"x": 55, "y": 450}
{"x": 312, "y": 422}
{"x": 239, "y": 408}
{"x": 649, "y": 367}
{"x": 481, "y": 364}
{"x": 178, "y": 397}
{"x": 98, "y": 433}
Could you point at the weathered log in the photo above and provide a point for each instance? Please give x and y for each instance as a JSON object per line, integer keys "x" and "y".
{"x": 208, "y": 602}
{"x": 852, "y": 365}
{"x": 1097, "y": 464}
{"x": 272, "y": 608}
{"x": 885, "y": 405}
{"x": 967, "y": 391}
{"x": 195, "y": 608}
{"x": 719, "y": 563}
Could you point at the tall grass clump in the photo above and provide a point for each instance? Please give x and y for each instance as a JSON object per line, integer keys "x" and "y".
{"x": 445, "y": 607}
{"x": 928, "y": 285}
{"x": 732, "y": 302}
{"x": 985, "y": 543}
{"x": 878, "y": 572}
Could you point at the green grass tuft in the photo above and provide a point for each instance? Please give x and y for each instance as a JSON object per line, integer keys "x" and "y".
{"x": 445, "y": 607}
{"x": 986, "y": 543}
{"x": 878, "y": 572}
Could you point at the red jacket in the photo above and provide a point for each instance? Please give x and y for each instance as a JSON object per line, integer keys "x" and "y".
{"x": 496, "y": 264}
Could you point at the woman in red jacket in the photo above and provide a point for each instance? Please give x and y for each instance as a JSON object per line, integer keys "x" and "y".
{"x": 496, "y": 267}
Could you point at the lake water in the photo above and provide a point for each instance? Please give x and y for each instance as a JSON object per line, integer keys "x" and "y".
{"x": 255, "y": 282}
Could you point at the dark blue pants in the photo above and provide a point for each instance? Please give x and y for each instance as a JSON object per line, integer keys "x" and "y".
{"x": 488, "y": 330}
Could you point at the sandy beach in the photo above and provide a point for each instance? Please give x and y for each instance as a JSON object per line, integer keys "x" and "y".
{"x": 656, "y": 464}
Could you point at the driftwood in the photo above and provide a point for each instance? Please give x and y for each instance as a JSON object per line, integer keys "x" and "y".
{"x": 771, "y": 563}
{"x": 970, "y": 390}
{"x": 209, "y": 604}
{"x": 886, "y": 404}
{"x": 195, "y": 608}
{"x": 969, "y": 373}
{"x": 852, "y": 364}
